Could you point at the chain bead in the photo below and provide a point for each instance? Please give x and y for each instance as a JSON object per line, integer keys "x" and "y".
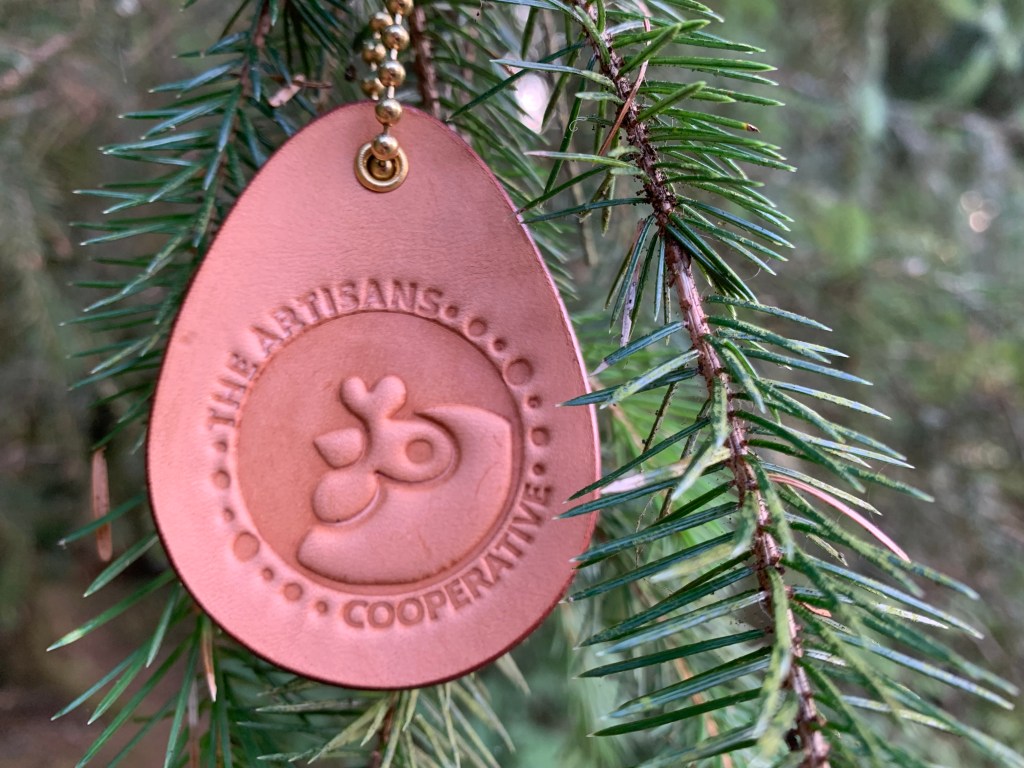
{"x": 379, "y": 20}
{"x": 395, "y": 37}
{"x": 372, "y": 87}
{"x": 384, "y": 147}
{"x": 391, "y": 74}
{"x": 374, "y": 52}
{"x": 403, "y": 7}
{"x": 389, "y": 111}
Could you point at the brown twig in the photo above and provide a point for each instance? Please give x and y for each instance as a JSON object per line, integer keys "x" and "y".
{"x": 679, "y": 267}
{"x": 32, "y": 60}
{"x": 101, "y": 505}
{"x": 377, "y": 758}
{"x": 423, "y": 63}
{"x": 628, "y": 103}
{"x": 259, "y": 40}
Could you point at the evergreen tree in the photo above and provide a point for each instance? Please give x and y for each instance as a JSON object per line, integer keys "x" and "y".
{"x": 754, "y": 613}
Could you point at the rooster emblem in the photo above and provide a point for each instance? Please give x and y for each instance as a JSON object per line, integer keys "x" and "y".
{"x": 404, "y": 498}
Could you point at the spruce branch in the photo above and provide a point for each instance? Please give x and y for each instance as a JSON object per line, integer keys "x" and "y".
{"x": 680, "y": 266}
{"x": 743, "y": 528}
{"x": 831, "y": 650}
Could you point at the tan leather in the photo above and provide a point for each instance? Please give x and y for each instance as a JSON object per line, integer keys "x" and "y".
{"x": 355, "y": 453}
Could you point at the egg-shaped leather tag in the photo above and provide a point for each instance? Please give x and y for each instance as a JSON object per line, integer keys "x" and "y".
{"x": 355, "y": 453}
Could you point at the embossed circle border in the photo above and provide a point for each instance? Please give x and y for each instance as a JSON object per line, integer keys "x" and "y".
{"x": 480, "y": 353}
{"x": 397, "y": 609}
{"x": 292, "y": 584}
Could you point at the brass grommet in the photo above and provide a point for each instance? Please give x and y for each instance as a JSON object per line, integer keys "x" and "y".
{"x": 382, "y": 170}
{"x": 368, "y": 178}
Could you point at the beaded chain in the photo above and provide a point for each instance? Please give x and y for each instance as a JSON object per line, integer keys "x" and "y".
{"x": 381, "y": 165}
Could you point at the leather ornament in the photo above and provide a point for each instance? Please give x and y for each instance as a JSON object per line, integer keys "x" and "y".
{"x": 355, "y": 454}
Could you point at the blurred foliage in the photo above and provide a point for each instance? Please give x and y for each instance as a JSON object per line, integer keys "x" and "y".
{"x": 906, "y": 119}
{"x": 909, "y": 205}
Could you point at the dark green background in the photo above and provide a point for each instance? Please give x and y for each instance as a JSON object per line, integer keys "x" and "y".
{"x": 906, "y": 119}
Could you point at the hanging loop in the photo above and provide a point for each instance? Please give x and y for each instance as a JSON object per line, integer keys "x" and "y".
{"x": 380, "y": 175}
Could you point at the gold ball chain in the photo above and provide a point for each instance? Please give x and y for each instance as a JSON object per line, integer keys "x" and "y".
{"x": 381, "y": 165}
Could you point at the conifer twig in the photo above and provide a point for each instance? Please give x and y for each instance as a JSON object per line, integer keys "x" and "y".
{"x": 423, "y": 63}
{"x": 384, "y": 735}
{"x": 679, "y": 266}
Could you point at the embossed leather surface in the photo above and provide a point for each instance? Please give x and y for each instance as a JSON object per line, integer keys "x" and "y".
{"x": 355, "y": 454}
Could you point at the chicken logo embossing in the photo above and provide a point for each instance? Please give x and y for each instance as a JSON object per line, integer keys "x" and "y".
{"x": 405, "y": 498}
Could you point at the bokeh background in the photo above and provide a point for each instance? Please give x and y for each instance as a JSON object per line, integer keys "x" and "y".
{"x": 906, "y": 119}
